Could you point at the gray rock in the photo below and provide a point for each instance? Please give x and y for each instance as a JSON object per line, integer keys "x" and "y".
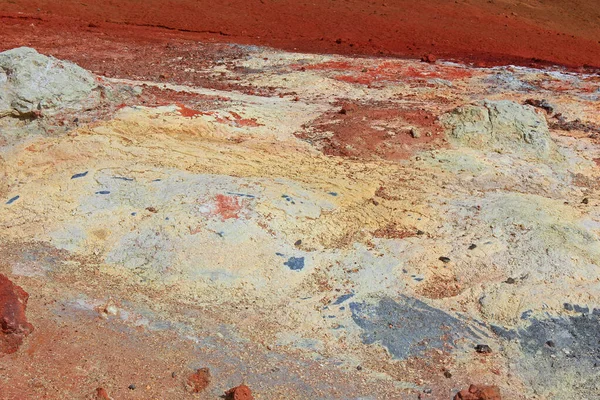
{"x": 31, "y": 82}
{"x": 501, "y": 126}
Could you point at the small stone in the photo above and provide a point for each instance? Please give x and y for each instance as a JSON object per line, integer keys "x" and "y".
{"x": 550, "y": 343}
{"x": 241, "y": 392}
{"x": 359, "y": 368}
{"x": 102, "y": 394}
{"x": 298, "y": 243}
{"x": 152, "y": 209}
{"x": 173, "y": 374}
{"x": 476, "y": 392}
{"x": 445, "y": 260}
{"x": 414, "y": 132}
{"x": 429, "y": 58}
{"x": 483, "y": 349}
{"x": 510, "y": 281}
{"x": 131, "y": 387}
{"x": 447, "y": 374}
{"x": 427, "y": 391}
{"x": 473, "y": 246}
{"x": 420, "y": 232}
{"x": 585, "y": 201}
{"x": 199, "y": 380}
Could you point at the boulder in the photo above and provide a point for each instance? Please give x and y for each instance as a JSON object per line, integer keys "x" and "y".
{"x": 13, "y": 322}
{"x": 32, "y": 83}
{"x": 501, "y": 126}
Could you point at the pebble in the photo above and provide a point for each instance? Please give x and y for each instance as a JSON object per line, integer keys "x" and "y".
{"x": 483, "y": 349}
{"x": 131, "y": 387}
{"x": 445, "y": 260}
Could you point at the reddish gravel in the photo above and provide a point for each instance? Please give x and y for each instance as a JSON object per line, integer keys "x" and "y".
{"x": 482, "y": 31}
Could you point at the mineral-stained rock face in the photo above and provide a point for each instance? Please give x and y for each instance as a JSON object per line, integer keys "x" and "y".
{"x": 13, "y": 322}
{"x": 502, "y": 126}
{"x": 194, "y": 226}
{"x": 31, "y": 82}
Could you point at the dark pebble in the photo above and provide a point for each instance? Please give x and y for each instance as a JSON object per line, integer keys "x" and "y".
{"x": 173, "y": 374}
{"x": 550, "y": 343}
{"x": 359, "y": 368}
{"x": 473, "y": 246}
{"x": 585, "y": 201}
{"x": 152, "y": 209}
{"x": 444, "y": 259}
{"x": 298, "y": 242}
{"x": 79, "y": 175}
{"x": 483, "y": 349}
{"x": 448, "y": 374}
{"x": 510, "y": 281}
{"x": 420, "y": 232}
{"x": 427, "y": 391}
{"x": 131, "y": 387}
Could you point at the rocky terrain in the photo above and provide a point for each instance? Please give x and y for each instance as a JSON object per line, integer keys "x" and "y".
{"x": 278, "y": 225}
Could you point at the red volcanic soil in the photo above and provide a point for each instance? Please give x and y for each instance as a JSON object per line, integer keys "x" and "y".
{"x": 484, "y": 31}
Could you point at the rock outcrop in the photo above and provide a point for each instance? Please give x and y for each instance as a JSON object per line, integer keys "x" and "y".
{"x": 32, "y": 83}
{"x": 501, "y": 126}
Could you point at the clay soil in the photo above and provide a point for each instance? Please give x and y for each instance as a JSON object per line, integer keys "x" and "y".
{"x": 481, "y": 31}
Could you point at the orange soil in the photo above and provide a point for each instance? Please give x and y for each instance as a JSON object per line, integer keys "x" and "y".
{"x": 483, "y": 31}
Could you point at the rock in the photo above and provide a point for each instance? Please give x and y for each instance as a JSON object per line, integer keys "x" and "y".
{"x": 429, "y": 58}
{"x": 13, "y": 322}
{"x": 241, "y": 392}
{"x": 199, "y": 380}
{"x": 543, "y": 104}
{"x": 476, "y": 392}
{"x": 500, "y": 126}
{"x": 483, "y": 349}
{"x": 414, "y": 132}
{"x": 102, "y": 394}
{"x": 32, "y": 83}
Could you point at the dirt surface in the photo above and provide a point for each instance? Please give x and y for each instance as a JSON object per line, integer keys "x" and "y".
{"x": 482, "y": 31}
{"x": 308, "y": 225}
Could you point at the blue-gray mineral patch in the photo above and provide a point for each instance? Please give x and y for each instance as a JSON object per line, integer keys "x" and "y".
{"x": 408, "y": 327}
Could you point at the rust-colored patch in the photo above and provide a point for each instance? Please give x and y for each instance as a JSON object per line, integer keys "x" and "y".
{"x": 186, "y": 111}
{"x": 228, "y": 207}
{"x": 387, "y": 71}
{"x": 374, "y": 131}
{"x": 391, "y": 231}
{"x": 439, "y": 287}
{"x": 234, "y": 119}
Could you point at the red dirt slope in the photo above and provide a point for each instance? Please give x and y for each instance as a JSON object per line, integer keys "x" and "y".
{"x": 485, "y": 31}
